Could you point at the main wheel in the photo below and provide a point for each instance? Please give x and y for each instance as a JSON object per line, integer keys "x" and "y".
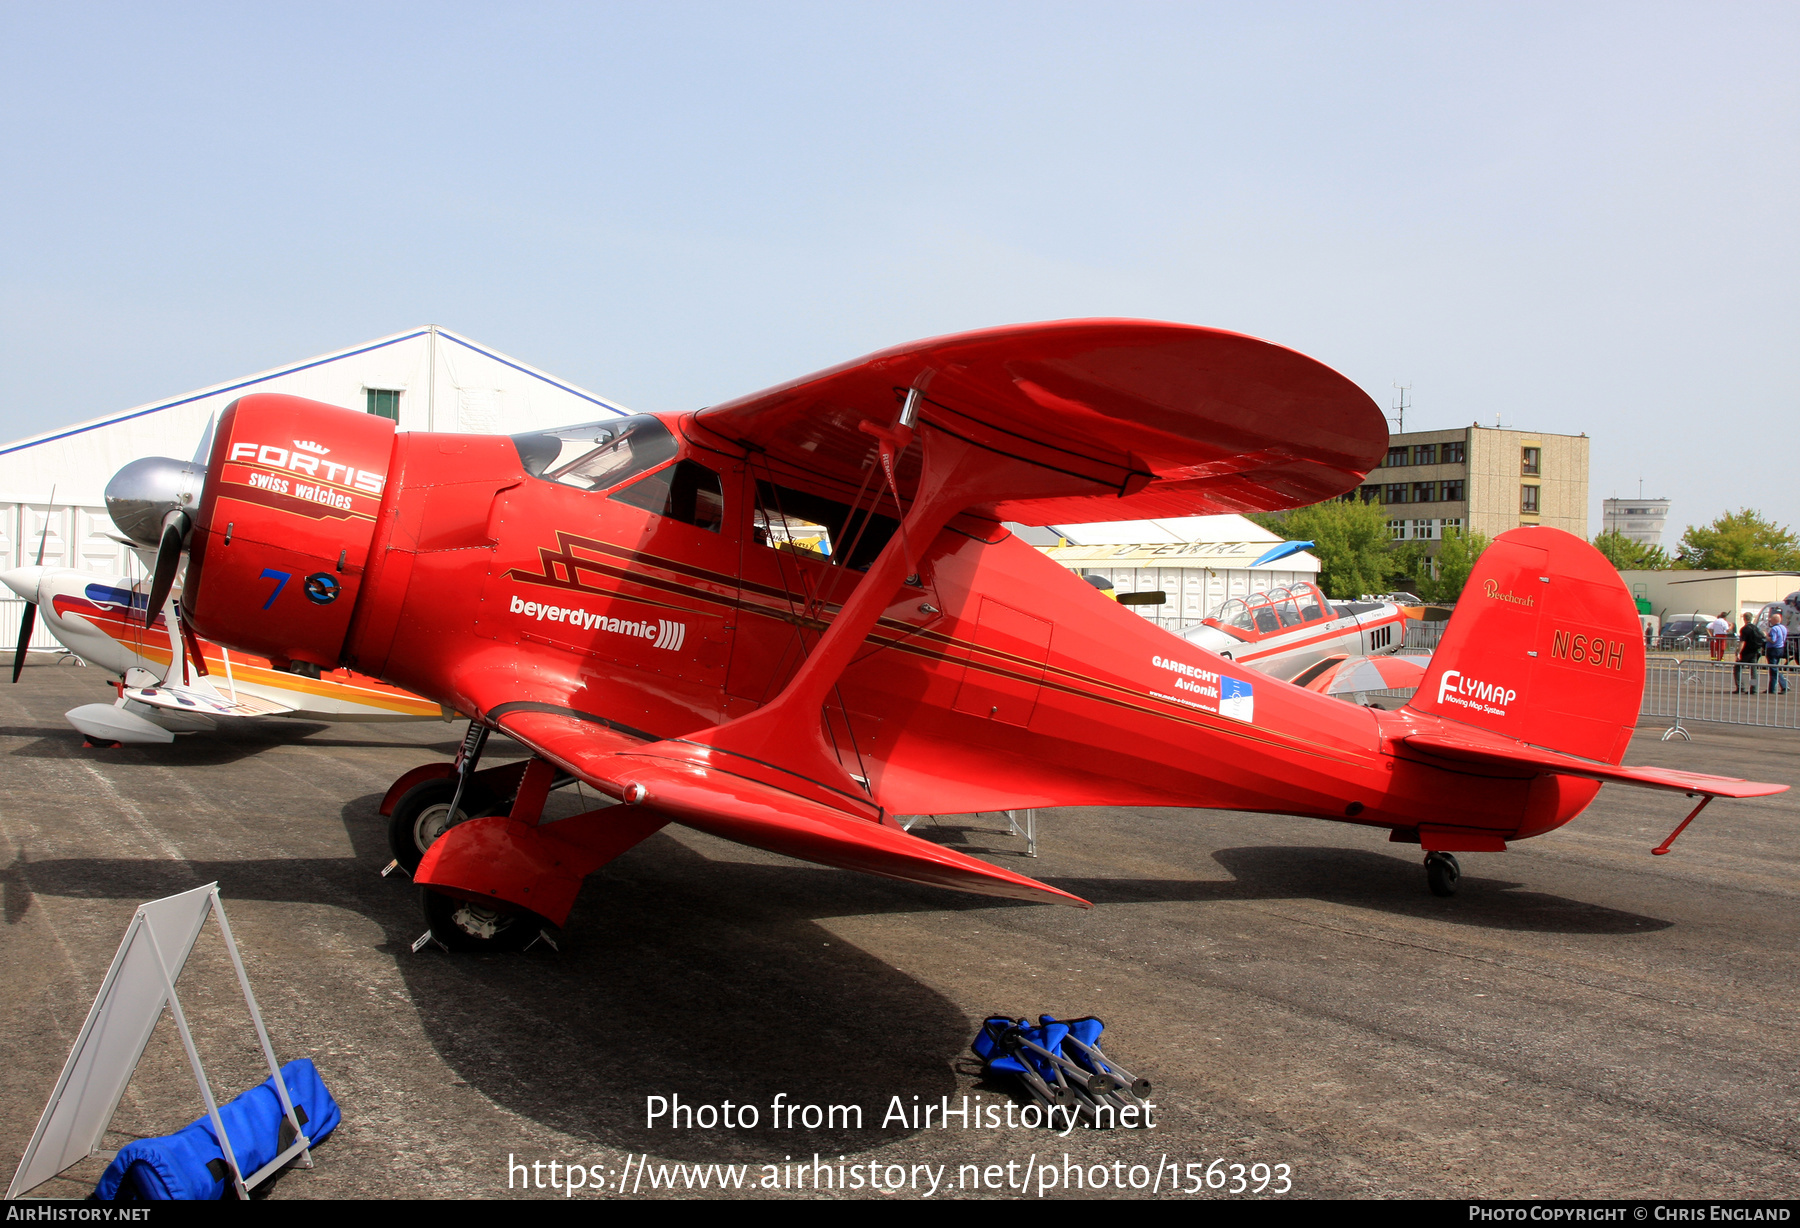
{"x": 463, "y": 926}
{"x": 1442, "y": 873}
{"x": 423, "y": 814}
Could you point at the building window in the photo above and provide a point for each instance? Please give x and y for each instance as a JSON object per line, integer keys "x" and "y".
{"x": 1425, "y": 454}
{"x": 1449, "y": 525}
{"x": 1395, "y": 493}
{"x": 1453, "y": 453}
{"x": 1528, "y": 500}
{"x": 1422, "y": 530}
{"x": 1531, "y": 461}
{"x": 1451, "y": 491}
{"x": 384, "y": 403}
{"x": 1424, "y": 492}
{"x": 1399, "y": 455}
{"x": 1371, "y": 494}
{"x": 1397, "y": 529}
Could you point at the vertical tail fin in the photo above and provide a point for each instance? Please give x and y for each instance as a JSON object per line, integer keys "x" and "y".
{"x": 1544, "y": 646}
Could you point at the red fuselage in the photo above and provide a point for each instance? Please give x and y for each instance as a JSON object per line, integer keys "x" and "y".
{"x": 995, "y": 679}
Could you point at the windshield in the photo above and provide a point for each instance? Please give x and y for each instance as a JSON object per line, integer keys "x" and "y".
{"x": 596, "y": 455}
{"x": 1232, "y": 614}
{"x": 1272, "y": 611}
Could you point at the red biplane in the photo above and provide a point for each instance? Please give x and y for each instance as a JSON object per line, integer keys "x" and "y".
{"x": 787, "y": 619}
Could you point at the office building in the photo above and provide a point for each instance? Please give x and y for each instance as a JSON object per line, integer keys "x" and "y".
{"x": 1641, "y": 520}
{"x": 1479, "y": 479}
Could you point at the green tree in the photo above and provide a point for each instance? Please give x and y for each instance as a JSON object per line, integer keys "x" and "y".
{"x": 1627, "y": 555}
{"x": 1408, "y": 566}
{"x": 1743, "y": 539}
{"x": 1350, "y": 539}
{"x": 1455, "y": 560}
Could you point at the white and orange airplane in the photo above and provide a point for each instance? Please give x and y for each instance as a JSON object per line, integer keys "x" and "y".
{"x": 1286, "y": 632}
{"x": 170, "y": 680}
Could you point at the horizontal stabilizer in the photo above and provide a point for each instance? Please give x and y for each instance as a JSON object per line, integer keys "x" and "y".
{"x": 1517, "y": 754}
{"x": 203, "y": 700}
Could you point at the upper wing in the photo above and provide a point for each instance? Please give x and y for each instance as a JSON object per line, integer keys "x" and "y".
{"x": 706, "y": 789}
{"x": 1146, "y": 419}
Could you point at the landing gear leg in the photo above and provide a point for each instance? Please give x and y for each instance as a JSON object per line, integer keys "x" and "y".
{"x": 1442, "y": 873}
{"x": 431, "y": 808}
{"x": 426, "y": 812}
{"x": 469, "y": 757}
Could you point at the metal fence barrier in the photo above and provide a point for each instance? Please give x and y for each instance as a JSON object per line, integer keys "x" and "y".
{"x": 1724, "y": 692}
{"x": 12, "y": 612}
{"x": 1718, "y": 692}
{"x": 1423, "y": 634}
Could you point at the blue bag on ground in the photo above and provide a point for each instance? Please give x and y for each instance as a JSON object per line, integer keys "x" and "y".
{"x": 1048, "y": 1036}
{"x": 987, "y": 1045}
{"x": 1086, "y": 1030}
{"x": 190, "y": 1162}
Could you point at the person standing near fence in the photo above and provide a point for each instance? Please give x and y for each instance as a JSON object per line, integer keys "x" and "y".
{"x": 1778, "y": 638}
{"x": 1750, "y": 650}
{"x": 1719, "y": 631}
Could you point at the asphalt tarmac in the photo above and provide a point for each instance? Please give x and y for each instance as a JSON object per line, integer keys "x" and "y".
{"x": 1582, "y": 1020}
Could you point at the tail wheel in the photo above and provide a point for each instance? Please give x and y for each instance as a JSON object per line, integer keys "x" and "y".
{"x": 1442, "y": 873}
{"x": 463, "y": 926}
{"x": 423, "y": 814}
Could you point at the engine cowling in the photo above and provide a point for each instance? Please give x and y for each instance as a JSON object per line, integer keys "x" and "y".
{"x": 281, "y": 541}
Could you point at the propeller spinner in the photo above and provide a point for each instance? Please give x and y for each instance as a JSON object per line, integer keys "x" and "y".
{"x": 153, "y": 501}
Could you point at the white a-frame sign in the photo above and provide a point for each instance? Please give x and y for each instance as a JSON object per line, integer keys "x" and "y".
{"x": 139, "y": 984}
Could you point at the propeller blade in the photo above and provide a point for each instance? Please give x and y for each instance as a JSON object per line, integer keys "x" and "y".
{"x": 202, "y": 452}
{"x": 26, "y": 625}
{"x": 168, "y": 561}
{"x": 45, "y": 535}
{"x": 29, "y": 622}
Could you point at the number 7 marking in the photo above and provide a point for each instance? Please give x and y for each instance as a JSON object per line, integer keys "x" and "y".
{"x": 281, "y": 578}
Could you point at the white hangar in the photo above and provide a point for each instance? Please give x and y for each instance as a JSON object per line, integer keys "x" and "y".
{"x": 427, "y": 379}
{"x": 1197, "y": 561}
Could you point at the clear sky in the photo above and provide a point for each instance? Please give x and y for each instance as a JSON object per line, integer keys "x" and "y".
{"x": 1575, "y": 217}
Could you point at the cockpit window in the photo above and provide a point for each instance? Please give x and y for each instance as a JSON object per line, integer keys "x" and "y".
{"x": 817, "y": 527}
{"x": 1275, "y": 610}
{"x": 596, "y": 455}
{"x": 1312, "y": 605}
{"x": 686, "y": 491}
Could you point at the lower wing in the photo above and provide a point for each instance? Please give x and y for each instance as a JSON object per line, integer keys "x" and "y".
{"x": 751, "y": 803}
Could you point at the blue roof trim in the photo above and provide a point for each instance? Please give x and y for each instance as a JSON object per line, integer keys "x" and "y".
{"x": 507, "y": 362}
{"x": 201, "y": 396}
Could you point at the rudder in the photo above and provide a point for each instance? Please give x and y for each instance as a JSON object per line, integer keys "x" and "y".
{"x": 1545, "y": 646}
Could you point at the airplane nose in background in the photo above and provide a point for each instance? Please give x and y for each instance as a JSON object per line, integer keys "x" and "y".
{"x": 24, "y": 581}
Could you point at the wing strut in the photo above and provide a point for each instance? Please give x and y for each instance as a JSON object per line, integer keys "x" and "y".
{"x": 785, "y": 734}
